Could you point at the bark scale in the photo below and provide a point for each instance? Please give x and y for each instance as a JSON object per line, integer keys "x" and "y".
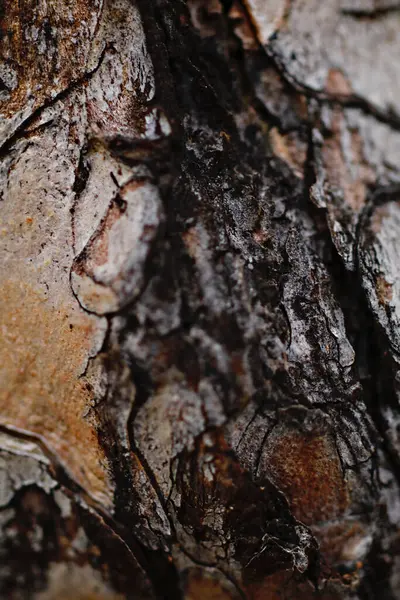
{"x": 200, "y": 301}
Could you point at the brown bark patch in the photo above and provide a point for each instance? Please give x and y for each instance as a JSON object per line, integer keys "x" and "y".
{"x": 347, "y": 171}
{"x": 39, "y": 39}
{"x": 283, "y": 586}
{"x": 384, "y": 290}
{"x": 337, "y": 83}
{"x": 200, "y": 586}
{"x": 42, "y": 350}
{"x": 306, "y": 467}
{"x": 290, "y": 149}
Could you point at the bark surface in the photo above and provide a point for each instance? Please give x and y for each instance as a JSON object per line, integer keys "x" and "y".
{"x": 200, "y": 299}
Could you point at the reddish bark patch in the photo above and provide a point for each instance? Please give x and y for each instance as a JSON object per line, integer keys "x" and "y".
{"x": 200, "y": 585}
{"x": 337, "y": 83}
{"x": 225, "y": 508}
{"x": 291, "y": 149}
{"x": 284, "y": 586}
{"x": 384, "y": 290}
{"x": 41, "y": 39}
{"x": 306, "y": 467}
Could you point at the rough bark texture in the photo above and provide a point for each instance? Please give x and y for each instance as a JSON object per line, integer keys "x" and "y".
{"x": 200, "y": 299}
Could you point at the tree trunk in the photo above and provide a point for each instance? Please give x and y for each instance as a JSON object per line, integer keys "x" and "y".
{"x": 200, "y": 299}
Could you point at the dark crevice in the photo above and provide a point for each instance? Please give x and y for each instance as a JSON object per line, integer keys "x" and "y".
{"x": 345, "y": 100}
{"x": 159, "y": 569}
{"x": 372, "y": 365}
{"x": 143, "y": 386}
{"x": 381, "y": 366}
{"x": 238, "y": 58}
{"x": 390, "y": 118}
{"x": 157, "y": 563}
{"x": 62, "y": 476}
{"x": 267, "y": 433}
{"x": 357, "y": 11}
{"x": 201, "y": 563}
{"x": 63, "y": 95}
{"x": 82, "y": 173}
{"x": 101, "y": 350}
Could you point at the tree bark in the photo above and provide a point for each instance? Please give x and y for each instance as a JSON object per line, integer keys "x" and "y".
{"x": 200, "y": 299}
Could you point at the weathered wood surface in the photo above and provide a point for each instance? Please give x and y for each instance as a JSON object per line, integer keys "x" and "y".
{"x": 200, "y": 299}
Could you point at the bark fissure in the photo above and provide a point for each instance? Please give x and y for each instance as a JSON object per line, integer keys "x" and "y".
{"x": 344, "y": 100}
{"x": 19, "y": 132}
{"x": 199, "y": 307}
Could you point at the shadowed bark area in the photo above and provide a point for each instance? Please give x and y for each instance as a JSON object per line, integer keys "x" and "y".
{"x": 199, "y": 300}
